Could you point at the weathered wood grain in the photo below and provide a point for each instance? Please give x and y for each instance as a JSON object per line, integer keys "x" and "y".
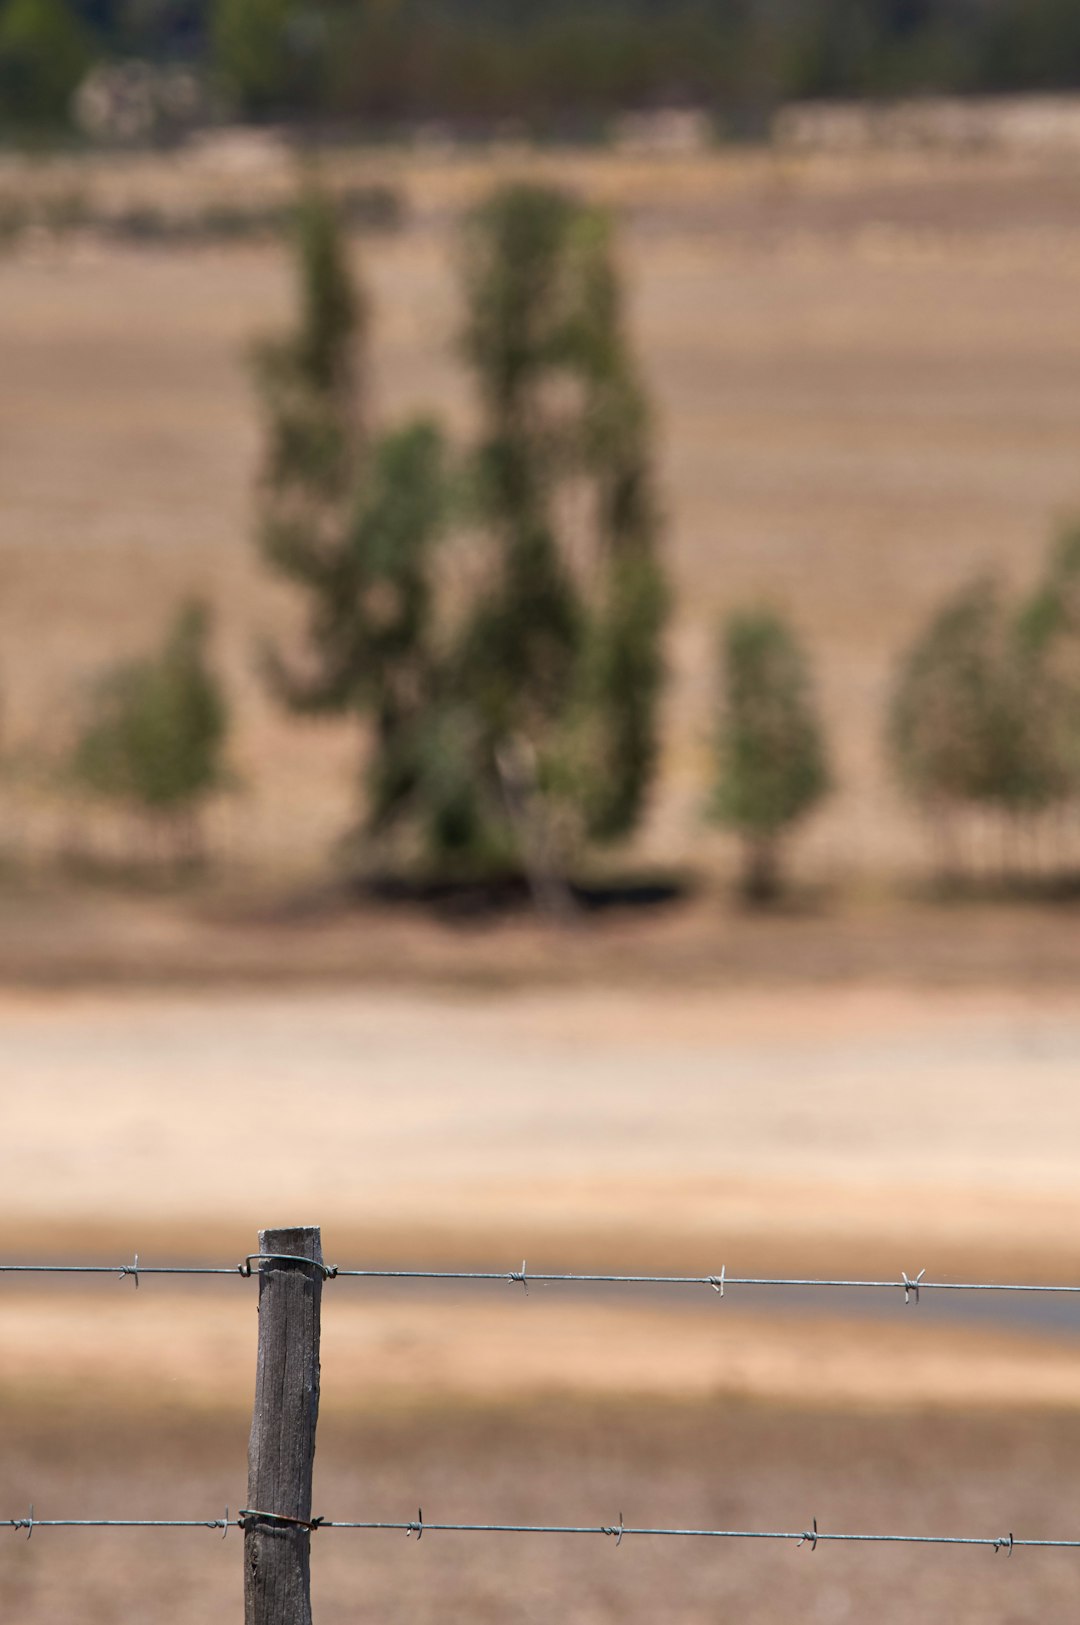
{"x": 277, "y": 1554}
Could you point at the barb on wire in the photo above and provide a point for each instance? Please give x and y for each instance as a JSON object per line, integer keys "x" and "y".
{"x": 618, "y": 1530}
{"x": 519, "y": 1275}
{"x": 911, "y": 1285}
{"x": 809, "y": 1537}
{"x": 419, "y": 1526}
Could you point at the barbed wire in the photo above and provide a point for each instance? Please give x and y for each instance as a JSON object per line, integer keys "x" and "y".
{"x": 911, "y": 1285}
{"x": 247, "y": 1518}
{"x": 419, "y": 1526}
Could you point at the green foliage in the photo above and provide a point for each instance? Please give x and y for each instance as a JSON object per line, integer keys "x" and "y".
{"x": 498, "y": 627}
{"x": 564, "y": 649}
{"x": 308, "y": 381}
{"x": 1048, "y": 633}
{"x": 353, "y": 519}
{"x": 44, "y": 53}
{"x": 319, "y": 355}
{"x": 771, "y": 764}
{"x": 623, "y": 675}
{"x": 968, "y": 721}
{"x": 156, "y": 729}
{"x": 567, "y": 66}
{"x": 250, "y": 44}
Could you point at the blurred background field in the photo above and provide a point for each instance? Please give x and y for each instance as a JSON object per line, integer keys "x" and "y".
{"x": 858, "y": 327}
{"x": 863, "y": 377}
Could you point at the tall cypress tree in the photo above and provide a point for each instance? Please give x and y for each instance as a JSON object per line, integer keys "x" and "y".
{"x": 352, "y": 516}
{"x": 508, "y": 680}
{"x": 562, "y": 655}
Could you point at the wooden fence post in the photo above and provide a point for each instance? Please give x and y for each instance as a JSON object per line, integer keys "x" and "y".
{"x": 277, "y": 1535}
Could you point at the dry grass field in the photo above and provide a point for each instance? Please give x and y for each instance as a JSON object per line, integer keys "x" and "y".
{"x": 867, "y": 375}
{"x": 710, "y": 1464}
{"x": 867, "y": 381}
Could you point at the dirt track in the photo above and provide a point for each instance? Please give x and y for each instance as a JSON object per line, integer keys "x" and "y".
{"x": 866, "y": 1122}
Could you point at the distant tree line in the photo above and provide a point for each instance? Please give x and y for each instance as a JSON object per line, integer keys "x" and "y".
{"x": 562, "y": 66}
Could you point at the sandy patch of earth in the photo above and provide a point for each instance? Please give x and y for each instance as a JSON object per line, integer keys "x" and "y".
{"x": 882, "y": 1125}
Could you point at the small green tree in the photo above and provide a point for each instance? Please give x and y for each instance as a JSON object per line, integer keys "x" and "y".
{"x": 155, "y": 734}
{"x": 771, "y": 762}
{"x": 971, "y": 719}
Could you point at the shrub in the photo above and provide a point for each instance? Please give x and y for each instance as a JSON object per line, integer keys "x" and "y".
{"x": 155, "y": 733}
{"x": 979, "y": 718}
{"x": 963, "y": 721}
{"x": 771, "y": 764}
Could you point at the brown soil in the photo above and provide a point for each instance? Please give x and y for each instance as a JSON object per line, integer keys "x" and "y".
{"x": 709, "y": 1464}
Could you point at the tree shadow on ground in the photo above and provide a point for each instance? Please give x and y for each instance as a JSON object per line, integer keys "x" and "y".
{"x": 509, "y": 894}
{"x": 1060, "y": 890}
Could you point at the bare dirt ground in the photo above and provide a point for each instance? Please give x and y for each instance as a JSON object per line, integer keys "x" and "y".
{"x": 692, "y": 1465}
{"x": 57, "y": 933}
{"x": 860, "y": 1131}
{"x": 868, "y": 382}
{"x": 844, "y": 1120}
{"x": 866, "y": 1128}
{"x": 867, "y": 379}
